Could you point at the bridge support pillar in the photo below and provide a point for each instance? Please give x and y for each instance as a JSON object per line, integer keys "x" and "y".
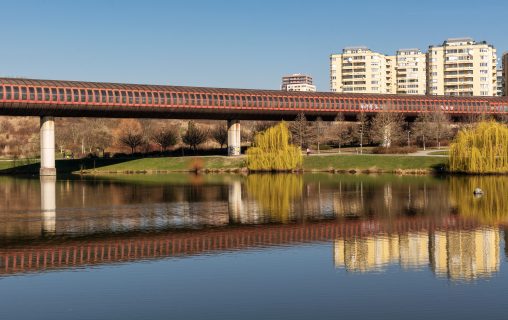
{"x": 48, "y": 204}
{"x": 47, "y": 137}
{"x": 234, "y": 140}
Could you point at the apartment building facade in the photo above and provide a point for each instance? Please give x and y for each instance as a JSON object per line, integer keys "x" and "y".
{"x": 411, "y": 75}
{"x": 359, "y": 70}
{"x": 458, "y": 67}
{"x": 500, "y": 83}
{"x": 505, "y": 72}
{"x": 298, "y": 82}
{"x": 462, "y": 67}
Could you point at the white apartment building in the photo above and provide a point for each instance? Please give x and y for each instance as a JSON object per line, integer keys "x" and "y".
{"x": 298, "y": 82}
{"x": 505, "y": 72}
{"x": 411, "y": 75}
{"x": 501, "y": 84}
{"x": 359, "y": 70}
{"x": 462, "y": 67}
{"x": 304, "y": 87}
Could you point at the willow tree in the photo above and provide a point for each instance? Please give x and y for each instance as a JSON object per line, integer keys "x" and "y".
{"x": 272, "y": 151}
{"x": 483, "y": 149}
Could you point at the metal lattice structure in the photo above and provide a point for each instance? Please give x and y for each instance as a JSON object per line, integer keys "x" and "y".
{"x": 27, "y": 97}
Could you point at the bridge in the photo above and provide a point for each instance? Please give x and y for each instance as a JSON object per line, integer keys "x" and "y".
{"x": 48, "y": 99}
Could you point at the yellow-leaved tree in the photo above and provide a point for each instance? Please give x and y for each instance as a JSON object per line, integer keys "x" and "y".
{"x": 272, "y": 151}
{"x": 482, "y": 149}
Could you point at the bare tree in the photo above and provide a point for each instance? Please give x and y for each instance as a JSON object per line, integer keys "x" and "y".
{"x": 441, "y": 126}
{"x": 422, "y": 127}
{"x": 362, "y": 128}
{"x": 132, "y": 139}
{"x": 387, "y": 128}
{"x": 220, "y": 135}
{"x": 319, "y": 128}
{"x": 340, "y": 131}
{"x": 98, "y": 135}
{"x": 301, "y": 131}
{"x": 194, "y": 136}
{"x": 165, "y": 138}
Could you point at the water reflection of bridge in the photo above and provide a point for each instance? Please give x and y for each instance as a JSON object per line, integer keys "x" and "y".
{"x": 61, "y": 252}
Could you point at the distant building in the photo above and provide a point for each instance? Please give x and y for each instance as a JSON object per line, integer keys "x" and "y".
{"x": 360, "y": 70}
{"x": 505, "y": 73}
{"x": 501, "y": 85}
{"x": 298, "y": 82}
{"x": 462, "y": 67}
{"x": 411, "y": 75}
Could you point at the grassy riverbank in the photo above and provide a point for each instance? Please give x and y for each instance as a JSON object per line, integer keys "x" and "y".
{"x": 357, "y": 163}
{"x": 341, "y": 163}
{"x": 374, "y": 163}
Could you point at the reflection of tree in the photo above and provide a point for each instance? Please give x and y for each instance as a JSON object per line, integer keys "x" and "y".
{"x": 374, "y": 197}
{"x": 490, "y": 208}
{"x": 275, "y": 193}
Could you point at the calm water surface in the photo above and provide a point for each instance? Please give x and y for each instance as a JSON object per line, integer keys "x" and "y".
{"x": 253, "y": 247}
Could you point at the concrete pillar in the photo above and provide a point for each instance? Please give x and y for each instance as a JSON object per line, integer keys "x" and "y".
{"x": 234, "y": 141}
{"x": 48, "y": 204}
{"x": 47, "y": 136}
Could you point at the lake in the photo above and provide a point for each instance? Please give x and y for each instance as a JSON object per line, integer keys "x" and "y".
{"x": 260, "y": 246}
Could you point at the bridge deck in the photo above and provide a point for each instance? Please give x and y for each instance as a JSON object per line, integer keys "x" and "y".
{"x": 71, "y": 98}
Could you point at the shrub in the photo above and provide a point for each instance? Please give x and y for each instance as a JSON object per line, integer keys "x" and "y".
{"x": 483, "y": 149}
{"x": 273, "y": 152}
{"x": 196, "y": 164}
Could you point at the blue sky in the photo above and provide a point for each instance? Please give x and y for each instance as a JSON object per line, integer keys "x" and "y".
{"x": 248, "y": 44}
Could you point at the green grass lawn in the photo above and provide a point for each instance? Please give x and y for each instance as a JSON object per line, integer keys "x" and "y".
{"x": 382, "y": 162}
{"x": 177, "y": 163}
{"x": 340, "y": 162}
{"x": 7, "y": 164}
{"x": 439, "y": 153}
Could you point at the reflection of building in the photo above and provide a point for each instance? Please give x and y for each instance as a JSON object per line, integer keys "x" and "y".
{"x": 465, "y": 254}
{"x": 414, "y": 250}
{"x": 367, "y": 254}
